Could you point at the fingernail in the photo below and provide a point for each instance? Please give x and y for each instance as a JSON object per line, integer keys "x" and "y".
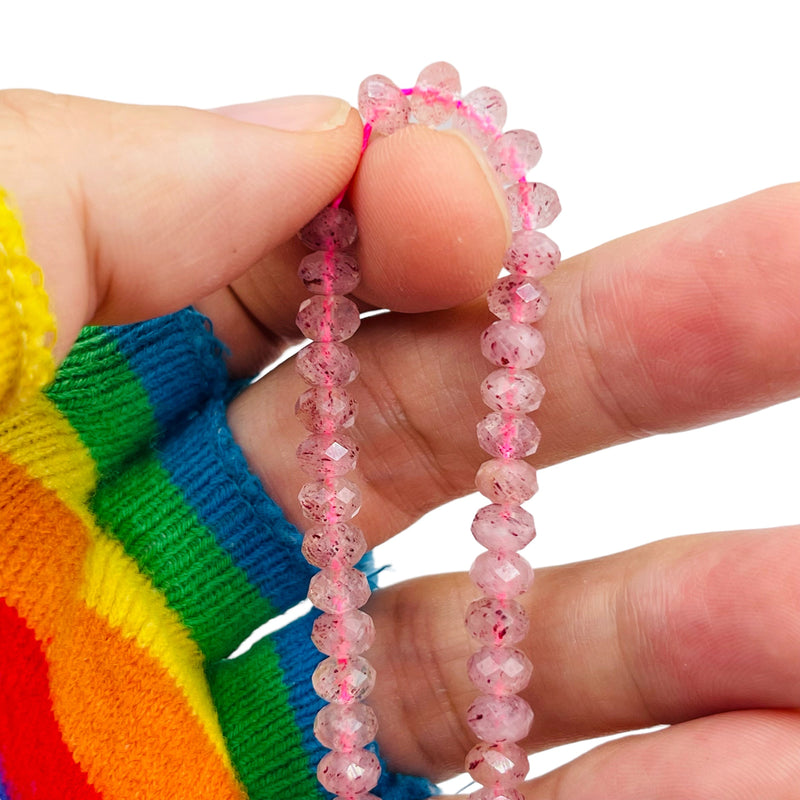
{"x": 303, "y": 113}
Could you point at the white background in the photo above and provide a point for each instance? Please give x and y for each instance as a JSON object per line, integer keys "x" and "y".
{"x": 646, "y": 111}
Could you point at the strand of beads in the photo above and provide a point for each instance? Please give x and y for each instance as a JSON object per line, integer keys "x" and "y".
{"x": 329, "y": 501}
{"x": 499, "y": 717}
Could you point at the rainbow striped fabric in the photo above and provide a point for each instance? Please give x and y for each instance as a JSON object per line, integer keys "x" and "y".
{"x": 137, "y": 551}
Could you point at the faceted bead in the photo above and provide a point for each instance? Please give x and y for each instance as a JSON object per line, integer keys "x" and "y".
{"x": 512, "y": 390}
{"x": 345, "y": 634}
{"x": 501, "y": 575}
{"x": 532, "y": 253}
{"x": 513, "y": 154}
{"x": 512, "y": 344}
{"x": 496, "y": 622}
{"x": 340, "y": 590}
{"x": 341, "y": 543}
{"x": 329, "y": 272}
{"x": 482, "y": 116}
{"x": 497, "y": 764}
{"x": 444, "y": 85}
{"x": 327, "y": 364}
{"x": 349, "y": 773}
{"x": 324, "y": 454}
{"x": 496, "y": 793}
{"x": 343, "y": 680}
{"x": 332, "y": 229}
{"x": 532, "y": 205}
{"x": 331, "y": 500}
{"x": 323, "y": 410}
{"x": 502, "y": 527}
{"x": 519, "y": 298}
{"x": 507, "y": 481}
{"x": 505, "y": 434}
{"x": 383, "y": 105}
{"x": 499, "y": 670}
{"x": 500, "y": 718}
{"x": 345, "y": 728}
{"x": 328, "y": 318}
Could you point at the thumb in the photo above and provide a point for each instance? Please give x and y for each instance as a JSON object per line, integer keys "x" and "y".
{"x": 135, "y": 211}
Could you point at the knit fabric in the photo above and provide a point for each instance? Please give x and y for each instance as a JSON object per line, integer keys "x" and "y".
{"x": 137, "y": 551}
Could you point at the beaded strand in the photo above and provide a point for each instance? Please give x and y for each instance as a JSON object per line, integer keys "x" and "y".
{"x": 499, "y": 717}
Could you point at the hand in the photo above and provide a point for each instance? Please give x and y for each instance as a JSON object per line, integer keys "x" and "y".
{"x": 644, "y": 335}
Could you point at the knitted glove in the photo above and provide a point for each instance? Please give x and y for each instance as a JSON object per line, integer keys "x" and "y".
{"x": 137, "y": 551}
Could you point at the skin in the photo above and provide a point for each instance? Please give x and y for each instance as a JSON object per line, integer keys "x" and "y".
{"x": 133, "y": 212}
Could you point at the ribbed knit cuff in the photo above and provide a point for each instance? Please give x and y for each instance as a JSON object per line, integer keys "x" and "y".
{"x": 266, "y": 705}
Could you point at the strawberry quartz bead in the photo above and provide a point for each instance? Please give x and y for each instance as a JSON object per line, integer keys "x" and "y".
{"x": 339, "y": 542}
{"x": 343, "y": 680}
{"x": 512, "y": 390}
{"x": 483, "y": 115}
{"x": 499, "y": 670}
{"x": 349, "y": 773}
{"x": 345, "y": 727}
{"x": 496, "y": 622}
{"x": 338, "y": 591}
{"x": 323, "y": 410}
{"x": 383, "y": 105}
{"x": 532, "y": 254}
{"x": 508, "y": 435}
{"x": 500, "y": 718}
{"x": 501, "y": 575}
{"x": 328, "y": 318}
{"x": 518, "y": 298}
{"x": 327, "y": 364}
{"x": 331, "y": 500}
{"x": 513, "y": 154}
{"x": 497, "y": 764}
{"x": 503, "y": 527}
{"x": 329, "y": 272}
{"x": 341, "y": 634}
{"x": 496, "y": 793}
{"x": 507, "y": 481}
{"x": 532, "y": 205}
{"x": 332, "y": 229}
{"x": 512, "y": 344}
{"x": 439, "y": 81}
{"x": 325, "y": 454}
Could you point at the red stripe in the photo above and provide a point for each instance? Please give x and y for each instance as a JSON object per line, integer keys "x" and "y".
{"x": 36, "y": 762}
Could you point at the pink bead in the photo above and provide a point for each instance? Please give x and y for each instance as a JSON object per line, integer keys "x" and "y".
{"x": 349, "y": 773}
{"x": 329, "y": 272}
{"x": 512, "y": 344}
{"x": 501, "y": 575}
{"x": 496, "y": 793}
{"x": 502, "y": 527}
{"x": 341, "y": 543}
{"x": 496, "y": 622}
{"x": 331, "y": 229}
{"x": 532, "y": 205}
{"x": 337, "y": 591}
{"x": 497, "y": 764}
{"x": 328, "y": 318}
{"x": 518, "y": 298}
{"x": 327, "y": 364}
{"x": 343, "y": 681}
{"x": 345, "y": 728}
{"x": 323, "y": 410}
{"x": 532, "y": 254}
{"x": 513, "y": 154}
{"x": 500, "y": 718}
{"x": 436, "y": 105}
{"x": 483, "y": 115}
{"x": 499, "y": 670}
{"x": 505, "y": 434}
{"x": 326, "y": 454}
{"x": 344, "y": 634}
{"x": 383, "y": 105}
{"x": 512, "y": 390}
{"x": 331, "y": 500}
{"x": 506, "y": 481}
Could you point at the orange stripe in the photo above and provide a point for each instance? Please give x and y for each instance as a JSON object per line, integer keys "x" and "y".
{"x": 126, "y": 722}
